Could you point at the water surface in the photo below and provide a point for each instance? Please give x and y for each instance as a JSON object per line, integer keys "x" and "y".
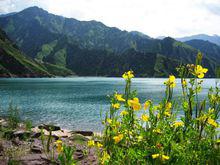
{"x": 75, "y": 103}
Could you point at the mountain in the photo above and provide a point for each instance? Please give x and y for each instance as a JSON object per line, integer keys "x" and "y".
{"x": 13, "y": 63}
{"x": 44, "y": 27}
{"x": 206, "y": 47}
{"x": 5, "y": 15}
{"x": 90, "y": 48}
{"x": 213, "y": 39}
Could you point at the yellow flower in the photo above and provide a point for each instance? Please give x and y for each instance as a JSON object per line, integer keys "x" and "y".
{"x": 118, "y": 138}
{"x": 123, "y": 113}
{"x": 166, "y": 113}
{"x": 116, "y": 106}
{"x": 212, "y": 122}
{"x": 119, "y": 97}
{"x": 164, "y": 157}
{"x": 171, "y": 82}
{"x": 128, "y": 75}
{"x": 145, "y": 117}
{"x": 158, "y": 115}
{"x": 91, "y": 143}
{"x": 117, "y": 123}
{"x": 184, "y": 83}
{"x": 157, "y": 130}
{"x": 199, "y": 71}
{"x": 59, "y": 145}
{"x": 178, "y": 124}
{"x": 105, "y": 157}
{"x": 135, "y": 104}
{"x": 168, "y": 106}
{"x": 99, "y": 145}
{"x": 213, "y": 98}
{"x": 202, "y": 118}
{"x": 157, "y": 107}
{"x": 154, "y": 156}
{"x": 140, "y": 138}
{"x": 109, "y": 121}
{"x": 147, "y": 104}
{"x": 211, "y": 110}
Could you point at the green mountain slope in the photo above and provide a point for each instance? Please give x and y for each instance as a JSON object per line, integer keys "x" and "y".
{"x": 90, "y": 48}
{"x": 14, "y": 64}
{"x": 212, "y": 50}
{"x": 43, "y": 27}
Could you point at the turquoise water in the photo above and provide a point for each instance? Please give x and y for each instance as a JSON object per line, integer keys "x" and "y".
{"x": 75, "y": 103}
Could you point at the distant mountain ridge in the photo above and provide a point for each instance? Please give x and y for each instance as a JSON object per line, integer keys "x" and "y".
{"x": 94, "y": 49}
{"x": 213, "y": 39}
{"x": 206, "y": 47}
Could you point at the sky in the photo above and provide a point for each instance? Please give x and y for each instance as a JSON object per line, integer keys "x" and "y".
{"x": 175, "y": 18}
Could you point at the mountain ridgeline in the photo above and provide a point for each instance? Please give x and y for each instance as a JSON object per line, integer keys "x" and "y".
{"x": 89, "y": 48}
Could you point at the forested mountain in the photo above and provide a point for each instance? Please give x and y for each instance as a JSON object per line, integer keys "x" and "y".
{"x": 90, "y": 48}
{"x": 212, "y": 50}
{"x": 13, "y": 63}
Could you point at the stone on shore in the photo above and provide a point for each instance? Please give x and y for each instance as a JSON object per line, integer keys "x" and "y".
{"x": 84, "y": 133}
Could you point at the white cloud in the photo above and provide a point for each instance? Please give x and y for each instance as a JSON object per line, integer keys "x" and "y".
{"x": 153, "y": 17}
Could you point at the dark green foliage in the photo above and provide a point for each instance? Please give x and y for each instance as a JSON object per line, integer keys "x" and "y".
{"x": 206, "y": 47}
{"x": 13, "y": 115}
{"x": 90, "y": 48}
{"x": 66, "y": 157}
{"x": 28, "y": 125}
{"x": 58, "y": 70}
{"x": 14, "y": 63}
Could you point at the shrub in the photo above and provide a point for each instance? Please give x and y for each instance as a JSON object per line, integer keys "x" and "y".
{"x": 137, "y": 133}
{"x": 13, "y": 116}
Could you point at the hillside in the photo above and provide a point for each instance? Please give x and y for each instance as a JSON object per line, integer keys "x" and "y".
{"x": 90, "y": 48}
{"x": 206, "y": 47}
{"x": 14, "y": 63}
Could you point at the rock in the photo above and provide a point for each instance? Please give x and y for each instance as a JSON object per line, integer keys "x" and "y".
{"x": 4, "y": 145}
{"x": 78, "y": 137}
{"x": 36, "y": 150}
{"x": 49, "y": 127}
{"x": 33, "y": 159}
{"x": 84, "y": 133}
{"x": 78, "y": 155}
{"x": 55, "y": 134}
{"x": 21, "y": 134}
{"x": 1, "y": 149}
{"x": 61, "y": 133}
{"x": 16, "y": 141}
{"x": 3, "y": 161}
{"x": 36, "y": 135}
{"x": 3, "y": 123}
{"x": 37, "y": 146}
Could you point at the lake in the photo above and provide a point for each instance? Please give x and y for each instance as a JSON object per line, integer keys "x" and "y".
{"x": 75, "y": 103}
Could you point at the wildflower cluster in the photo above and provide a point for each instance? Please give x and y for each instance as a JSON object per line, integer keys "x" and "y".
{"x": 144, "y": 133}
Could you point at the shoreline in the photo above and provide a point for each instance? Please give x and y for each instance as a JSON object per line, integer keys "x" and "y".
{"x": 28, "y": 146}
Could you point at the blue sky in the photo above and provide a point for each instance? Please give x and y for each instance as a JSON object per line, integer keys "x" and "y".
{"x": 175, "y": 18}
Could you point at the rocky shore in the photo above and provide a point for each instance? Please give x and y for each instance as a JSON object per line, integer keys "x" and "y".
{"x": 27, "y": 147}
